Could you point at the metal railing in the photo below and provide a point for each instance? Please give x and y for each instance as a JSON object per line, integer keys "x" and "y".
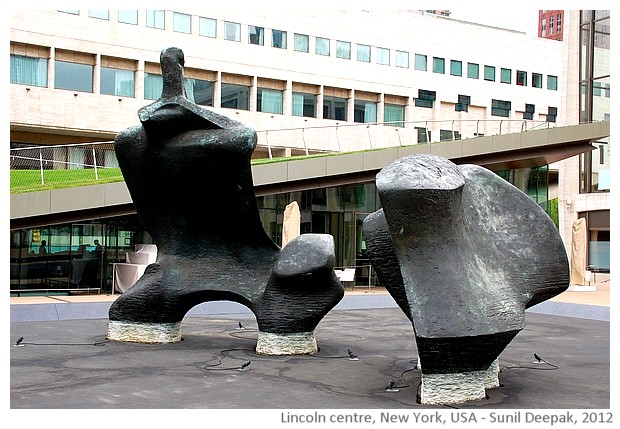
{"x": 46, "y": 167}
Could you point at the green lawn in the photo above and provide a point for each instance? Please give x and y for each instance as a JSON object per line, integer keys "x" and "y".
{"x": 30, "y": 180}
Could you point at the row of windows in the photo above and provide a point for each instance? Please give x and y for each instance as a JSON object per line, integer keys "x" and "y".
{"x": 301, "y": 43}
{"x": 119, "y": 82}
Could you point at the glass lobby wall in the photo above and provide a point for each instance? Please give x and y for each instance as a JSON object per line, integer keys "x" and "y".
{"x": 338, "y": 211}
{"x": 70, "y": 256}
{"x": 532, "y": 181}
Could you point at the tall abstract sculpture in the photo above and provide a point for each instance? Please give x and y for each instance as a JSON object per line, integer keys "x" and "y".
{"x": 189, "y": 175}
{"x": 464, "y": 253}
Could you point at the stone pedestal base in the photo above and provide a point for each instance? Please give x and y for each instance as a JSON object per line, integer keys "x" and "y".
{"x": 144, "y": 332}
{"x": 454, "y": 388}
{"x": 298, "y": 343}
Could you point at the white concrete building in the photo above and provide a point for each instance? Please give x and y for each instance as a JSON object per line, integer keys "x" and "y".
{"x": 307, "y": 81}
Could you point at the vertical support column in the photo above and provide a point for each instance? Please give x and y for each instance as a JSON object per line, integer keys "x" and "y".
{"x": 139, "y": 80}
{"x": 217, "y": 90}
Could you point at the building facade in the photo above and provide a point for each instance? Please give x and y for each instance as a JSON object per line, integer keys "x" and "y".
{"x": 550, "y": 24}
{"x": 585, "y": 180}
{"x": 308, "y": 82}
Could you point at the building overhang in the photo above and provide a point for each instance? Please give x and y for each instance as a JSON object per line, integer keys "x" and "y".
{"x": 527, "y": 149}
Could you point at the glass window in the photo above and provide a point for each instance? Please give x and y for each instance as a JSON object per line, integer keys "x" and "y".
{"x": 117, "y": 82}
{"x": 424, "y": 134}
{"x": 505, "y": 75}
{"x": 256, "y": 35}
{"x": 28, "y": 70}
{"x": 552, "y": 82}
{"x": 402, "y": 59}
{"x": 269, "y": 100}
{"x": 199, "y": 91}
{"x": 100, "y": 14}
{"x": 521, "y": 78}
{"x": 181, "y": 23}
{"x": 155, "y": 19}
{"x": 383, "y": 56}
{"x": 456, "y": 68}
{"x": 529, "y": 111}
{"x": 364, "y": 111}
{"x": 73, "y": 76}
{"x": 363, "y": 53}
{"x": 343, "y": 50}
{"x": 439, "y": 65}
{"x": 278, "y": 39}
{"x": 500, "y": 108}
{"x": 334, "y": 108}
{"x": 425, "y": 98}
{"x": 235, "y": 96}
{"x": 71, "y": 11}
{"x": 322, "y": 46}
{"x": 489, "y": 73}
{"x": 232, "y": 31}
{"x": 207, "y": 27}
{"x": 420, "y": 62}
{"x": 128, "y": 16}
{"x": 463, "y": 104}
{"x": 537, "y": 80}
{"x": 153, "y": 86}
{"x": 445, "y": 135}
{"x": 394, "y": 115}
{"x": 473, "y": 71}
{"x": 304, "y": 105}
{"x": 302, "y": 43}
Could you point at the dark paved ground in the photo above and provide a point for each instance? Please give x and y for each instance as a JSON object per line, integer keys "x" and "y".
{"x": 67, "y": 364}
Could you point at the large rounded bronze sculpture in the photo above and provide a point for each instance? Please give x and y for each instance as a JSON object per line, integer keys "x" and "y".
{"x": 464, "y": 253}
{"x": 189, "y": 175}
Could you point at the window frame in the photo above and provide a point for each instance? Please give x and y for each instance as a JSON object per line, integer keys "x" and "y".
{"x": 470, "y": 68}
{"x": 99, "y": 14}
{"x": 236, "y": 28}
{"x": 103, "y": 75}
{"x": 343, "y": 49}
{"x": 279, "y": 44}
{"x": 381, "y": 56}
{"x": 366, "y": 50}
{"x": 320, "y": 43}
{"x": 488, "y": 70}
{"x": 81, "y": 66}
{"x": 417, "y": 62}
{"x": 439, "y": 65}
{"x": 258, "y": 33}
{"x": 359, "y": 108}
{"x": 456, "y": 72}
{"x": 245, "y": 102}
{"x": 305, "y": 38}
{"x": 20, "y": 79}
{"x": 156, "y": 19}
{"x": 305, "y": 96}
{"x": 329, "y": 103}
{"x": 501, "y": 108}
{"x": 260, "y": 102}
{"x": 402, "y": 59}
{"x": 505, "y": 75}
{"x": 183, "y": 20}
{"x": 552, "y": 82}
{"x": 204, "y": 27}
{"x": 122, "y": 14}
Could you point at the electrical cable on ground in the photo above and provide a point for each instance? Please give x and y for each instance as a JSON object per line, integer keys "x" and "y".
{"x": 20, "y": 343}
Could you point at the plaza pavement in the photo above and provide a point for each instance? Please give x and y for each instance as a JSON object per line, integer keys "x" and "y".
{"x": 65, "y": 361}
